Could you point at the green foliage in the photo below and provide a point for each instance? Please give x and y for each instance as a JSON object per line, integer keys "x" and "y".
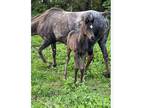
{"x": 106, "y": 5}
{"x": 50, "y": 90}
{"x": 37, "y": 7}
{"x": 71, "y": 5}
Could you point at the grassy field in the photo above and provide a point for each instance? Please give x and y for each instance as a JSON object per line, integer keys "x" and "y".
{"x": 50, "y": 90}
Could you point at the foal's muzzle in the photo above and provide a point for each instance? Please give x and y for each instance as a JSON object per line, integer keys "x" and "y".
{"x": 92, "y": 38}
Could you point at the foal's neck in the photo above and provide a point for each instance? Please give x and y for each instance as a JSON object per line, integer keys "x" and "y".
{"x": 81, "y": 37}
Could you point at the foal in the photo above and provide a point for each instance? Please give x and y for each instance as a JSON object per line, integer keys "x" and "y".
{"x": 77, "y": 41}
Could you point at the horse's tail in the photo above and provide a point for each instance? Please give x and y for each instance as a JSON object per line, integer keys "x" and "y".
{"x": 35, "y": 22}
{"x": 42, "y": 17}
{"x": 106, "y": 13}
{"x": 34, "y": 25}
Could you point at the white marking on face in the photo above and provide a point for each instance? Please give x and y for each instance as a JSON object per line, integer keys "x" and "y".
{"x": 91, "y": 26}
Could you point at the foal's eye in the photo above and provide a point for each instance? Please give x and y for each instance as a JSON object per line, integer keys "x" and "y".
{"x": 91, "y": 26}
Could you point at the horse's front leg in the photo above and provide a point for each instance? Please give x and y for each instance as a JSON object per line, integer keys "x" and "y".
{"x": 67, "y": 61}
{"x": 53, "y": 46}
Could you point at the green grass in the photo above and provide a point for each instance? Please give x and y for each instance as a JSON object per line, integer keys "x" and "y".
{"x": 50, "y": 90}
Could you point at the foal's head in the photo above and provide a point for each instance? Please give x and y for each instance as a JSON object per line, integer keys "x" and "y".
{"x": 86, "y": 27}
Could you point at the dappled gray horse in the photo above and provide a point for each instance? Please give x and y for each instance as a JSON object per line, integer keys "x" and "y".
{"x": 54, "y": 25}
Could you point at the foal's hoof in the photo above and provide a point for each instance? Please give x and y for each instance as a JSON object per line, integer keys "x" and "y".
{"x": 65, "y": 78}
{"x": 49, "y": 65}
{"x": 54, "y": 65}
{"x": 107, "y": 74}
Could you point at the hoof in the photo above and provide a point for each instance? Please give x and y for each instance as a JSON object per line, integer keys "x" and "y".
{"x": 54, "y": 65}
{"x": 49, "y": 65}
{"x": 107, "y": 74}
{"x": 75, "y": 81}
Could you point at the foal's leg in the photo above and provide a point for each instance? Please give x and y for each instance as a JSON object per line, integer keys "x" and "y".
{"x": 90, "y": 57}
{"x": 82, "y": 74}
{"x": 76, "y": 70}
{"x": 53, "y": 46}
{"x": 82, "y": 67}
{"x": 67, "y": 61}
{"x": 76, "y": 60}
{"x": 45, "y": 44}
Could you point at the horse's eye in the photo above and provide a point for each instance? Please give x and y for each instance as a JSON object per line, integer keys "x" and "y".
{"x": 91, "y": 26}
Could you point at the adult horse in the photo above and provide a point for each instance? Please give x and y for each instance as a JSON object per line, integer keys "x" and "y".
{"x": 54, "y": 25}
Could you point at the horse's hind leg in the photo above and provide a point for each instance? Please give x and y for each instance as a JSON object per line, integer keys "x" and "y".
{"x": 102, "y": 44}
{"x": 45, "y": 44}
{"x": 53, "y": 46}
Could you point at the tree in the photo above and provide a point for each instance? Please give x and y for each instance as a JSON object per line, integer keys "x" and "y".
{"x": 38, "y": 6}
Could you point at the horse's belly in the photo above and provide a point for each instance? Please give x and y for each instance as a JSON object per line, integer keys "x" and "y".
{"x": 61, "y": 32}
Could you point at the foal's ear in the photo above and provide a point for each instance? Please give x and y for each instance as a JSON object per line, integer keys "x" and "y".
{"x": 84, "y": 19}
{"x": 81, "y": 22}
{"x": 89, "y": 18}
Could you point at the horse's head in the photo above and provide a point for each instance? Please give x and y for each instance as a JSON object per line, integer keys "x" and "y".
{"x": 86, "y": 26}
